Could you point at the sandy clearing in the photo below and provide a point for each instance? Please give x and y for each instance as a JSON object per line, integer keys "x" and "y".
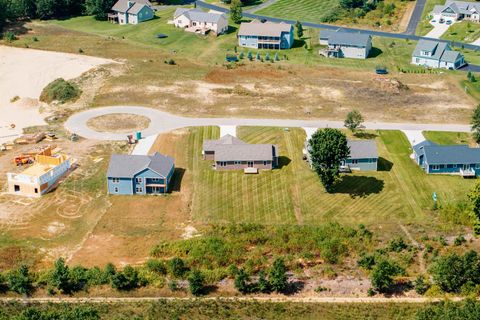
{"x": 24, "y": 73}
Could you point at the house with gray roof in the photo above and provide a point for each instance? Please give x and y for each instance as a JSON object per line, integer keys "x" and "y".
{"x": 265, "y": 35}
{"x": 231, "y": 153}
{"x": 131, "y": 11}
{"x": 139, "y": 174}
{"x": 342, "y": 44}
{"x": 199, "y": 21}
{"x": 447, "y": 159}
{"x": 435, "y": 54}
{"x": 363, "y": 155}
{"x": 457, "y": 10}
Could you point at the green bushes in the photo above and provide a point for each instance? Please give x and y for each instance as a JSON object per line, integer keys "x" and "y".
{"x": 277, "y": 280}
{"x": 60, "y": 90}
{"x": 383, "y": 273}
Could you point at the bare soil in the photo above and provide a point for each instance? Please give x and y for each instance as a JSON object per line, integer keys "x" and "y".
{"x": 119, "y": 123}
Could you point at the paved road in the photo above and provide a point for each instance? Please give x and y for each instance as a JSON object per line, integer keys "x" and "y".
{"x": 162, "y": 122}
{"x": 416, "y": 17}
{"x": 261, "y": 6}
{"x": 333, "y": 27}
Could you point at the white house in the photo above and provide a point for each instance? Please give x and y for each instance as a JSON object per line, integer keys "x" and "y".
{"x": 435, "y": 54}
{"x": 345, "y": 44}
{"x": 457, "y": 10}
{"x": 131, "y": 11}
{"x": 196, "y": 20}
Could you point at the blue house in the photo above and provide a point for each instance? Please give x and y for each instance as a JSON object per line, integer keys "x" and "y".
{"x": 139, "y": 174}
{"x": 454, "y": 159}
{"x": 363, "y": 156}
{"x": 131, "y": 11}
{"x": 265, "y": 35}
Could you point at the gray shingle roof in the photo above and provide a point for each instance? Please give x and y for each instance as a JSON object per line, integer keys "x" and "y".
{"x": 265, "y": 29}
{"x": 462, "y": 6}
{"x": 349, "y": 39}
{"x": 441, "y": 51}
{"x": 123, "y": 5}
{"x": 199, "y": 15}
{"x": 127, "y": 166}
{"x": 245, "y": 152}
{"x": 362, "y": 149}
{"x": 454, "y": 154}
{"x": 209, "y": 145}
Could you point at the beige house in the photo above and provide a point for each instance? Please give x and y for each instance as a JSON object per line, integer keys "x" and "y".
{"x": 231, "y": 153}
{"x": 198, "y": 21}
{"x": 41, "y": 177}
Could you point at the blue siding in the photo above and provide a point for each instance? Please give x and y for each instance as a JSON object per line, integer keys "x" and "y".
{"x": 137, "y": 185}
{"x": 124, "y": 186}
{"x": 363, "y": 164}
{"x": 145, "y": 14}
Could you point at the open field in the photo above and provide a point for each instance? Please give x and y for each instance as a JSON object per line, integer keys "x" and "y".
{"x": 324, "y": 11}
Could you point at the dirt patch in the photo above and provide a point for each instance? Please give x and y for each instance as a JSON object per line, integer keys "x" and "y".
{"x": 119, "y": 123}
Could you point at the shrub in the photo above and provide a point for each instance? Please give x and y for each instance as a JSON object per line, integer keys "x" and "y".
{"x": 421, "y": 285}
{"x": 156, "y": 266}
{"x": 278, "y": 276}
{"x": 20, "y": 280}
{"x": 241, "y": 281}
{"x": 127, "y": 279}
{"x": 177, "y": 267}
{"x": 382, "y": 275}
{"x": 196, "y": 283}
{"x": 397, "y": 244}
{"x": 60, "y": 90}
{"x": 459, "y": 240}
{"x": 60, "y": 277}
{"x": 9, "y": 36}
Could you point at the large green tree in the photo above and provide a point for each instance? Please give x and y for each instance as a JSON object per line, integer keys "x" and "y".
{"x": 452, "y": 271}
{"x": 236, "y": 11}
{"x": 476, "y": 124}
{"x": 99, "y": 8}
{"x": 299, "y": 27}
{"x": 328, "y": 148}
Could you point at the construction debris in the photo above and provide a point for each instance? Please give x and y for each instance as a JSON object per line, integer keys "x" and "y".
{"x": 30, "y": 138}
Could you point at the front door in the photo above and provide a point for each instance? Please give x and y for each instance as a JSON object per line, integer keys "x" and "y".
{"x": 466, "y": 167}
{"x": 250, "y": 164}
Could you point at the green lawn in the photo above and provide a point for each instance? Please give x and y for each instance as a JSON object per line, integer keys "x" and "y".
{"x": 464, "y": 31}
{"x": 304, "y": 10}
{"x": 424, "y": 26}
{"x": 448, "y": 138}
{"x": 400, "y": 192}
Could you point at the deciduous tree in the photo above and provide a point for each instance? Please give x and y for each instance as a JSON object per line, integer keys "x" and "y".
{"x": 236, "y": 11}
{"x": 196, "y": 283}
{"x": 278, "y": 276}
{"x": 353, "y": 120}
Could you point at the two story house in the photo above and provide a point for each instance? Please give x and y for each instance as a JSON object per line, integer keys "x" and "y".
{"x": 131, "y": 11}
{"x": 265, "y": 35}
{"x": 453, "y": 159}
{"x": 435, "y": 54}
{"x": 139, "y": 174}
{"x": 231, "y": 153}
{"x": 196, "y": 20}
{"x": 345, "y": 44}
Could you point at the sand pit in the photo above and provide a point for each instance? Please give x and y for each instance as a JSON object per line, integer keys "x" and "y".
{"x": 23, "y": 75}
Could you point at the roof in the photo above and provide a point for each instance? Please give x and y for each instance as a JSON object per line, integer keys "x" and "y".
{"x": 199, "y": 15}
{"x": 462, "y": 6}
{"x": 452, "y": 154}
{"x": 245, "y": 152}
{"x": 209, "y": 145}
{"x": 127, "y": 166}
{"x": 349, "y": 39}
{"x": 362, "y": 149}
{"x": 130, "y": 6}
{"x": 441, "y": 51}
{"x": 264, "y": 29}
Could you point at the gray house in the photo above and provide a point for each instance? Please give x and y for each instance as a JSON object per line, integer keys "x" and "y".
{"x": 139, "y": 174}
{"x": 265, "y": 35}
{"x": 453, "y": 159}
{"x": 131, "y": 11}
{"x": 230, "y": 153}
{"x": 363, "y": 155}
{"x": 435, "y": 54}
{"x": 345, "y": 44}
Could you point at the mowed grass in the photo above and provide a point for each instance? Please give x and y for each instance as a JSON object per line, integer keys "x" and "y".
{"x": 463, "y": 31}
{"x": 400, "y": 192}
{"x": 448, "y": 138}
{"x": 304, "y": 10}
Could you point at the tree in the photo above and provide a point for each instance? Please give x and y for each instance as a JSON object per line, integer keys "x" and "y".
{"x": 474, "y": 197}
{"x": 421, "y": 285}
{"x": 382, "y": 275}
{"x": 127, "y": 279}
{"x": 263, "y": 285}
{"x": 299, "y": 27}
{"x": 99, "y": 8}
{"x": 452, "y": 271}
{"x": 196, "y": 283}
{"x": 46, "y": 9}
{"x": 278, "y": 276}
{"x": 328, "y": 148}
{"x": 61, "y": 276}
{"x": 236, "y": 11}
{"x": 353, "y": 121}
{"x": 476, "y": 124}
{"x": 241, "y": 281}
{"x": 19, "y": 280}
{"x": 177, "y": 267}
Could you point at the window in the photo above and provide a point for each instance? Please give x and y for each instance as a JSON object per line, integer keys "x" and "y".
{"x": 435, "y": 167}
{"x": 138, "y": 189}
{"x": 354, "y": 161}
{"x": 115, "y": 189}
{"x": 36, "y": 190}
{"x": 115, "y": 180}
{"x": 238, "y": 162}
{"x": 264, "y": 163}
{"x": 449, "y": 166}
{"x": 156, "y": 179}
{"x": 222, "y": 163}
{"x": 139, "y": 180}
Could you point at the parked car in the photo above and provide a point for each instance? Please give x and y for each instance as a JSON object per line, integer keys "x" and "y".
{"x": 441, "y": 21}
{"x": 449, "y": 22}
{"x": 433, "y": 21}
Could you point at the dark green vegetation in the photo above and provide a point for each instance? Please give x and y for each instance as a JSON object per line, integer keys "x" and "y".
{"x": 476, "y": 124}
{"x": 328, "y": 148}
{"x": 60, "y": 90}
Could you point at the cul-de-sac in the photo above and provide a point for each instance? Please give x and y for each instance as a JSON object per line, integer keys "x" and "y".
{"x": 239, "y": 159}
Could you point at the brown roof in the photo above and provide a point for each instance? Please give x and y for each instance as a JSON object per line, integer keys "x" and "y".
{"x": 266, "y": 29}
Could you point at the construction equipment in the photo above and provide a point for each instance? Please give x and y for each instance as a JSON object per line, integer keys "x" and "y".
{"x": 29, "y": 157}
{"x": 23, "y": 159}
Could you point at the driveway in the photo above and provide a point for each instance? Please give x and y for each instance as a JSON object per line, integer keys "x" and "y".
{"x": 438, "y": 30}
{"x": 162, "y": 122}
{"x": 415, "y": 17}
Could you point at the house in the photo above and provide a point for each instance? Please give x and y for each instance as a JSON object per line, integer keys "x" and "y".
{"x": 345, "y": 44}
{"x": 131, "y": 11}
{"x": 435, "y": 54}
{"x": 196, "y": 20}
{"x": 231, "y": 153}
{"x": 457, "y": 10}
{"x": 363, "y": 156}
{"x": 265, "y": 35}
{"x": 41, "y": 177}
{"x": 140, "y": 174}
{"x": 452, "y": 159}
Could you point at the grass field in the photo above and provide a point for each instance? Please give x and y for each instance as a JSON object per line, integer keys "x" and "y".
{"x": 464, "y": 31}
{"x": 449, "y": 138}
{"x": 398, "y": 193}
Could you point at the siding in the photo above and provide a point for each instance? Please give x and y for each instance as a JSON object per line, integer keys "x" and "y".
{"x": 232, "y": 165}
{"x": 363, "y": 164}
